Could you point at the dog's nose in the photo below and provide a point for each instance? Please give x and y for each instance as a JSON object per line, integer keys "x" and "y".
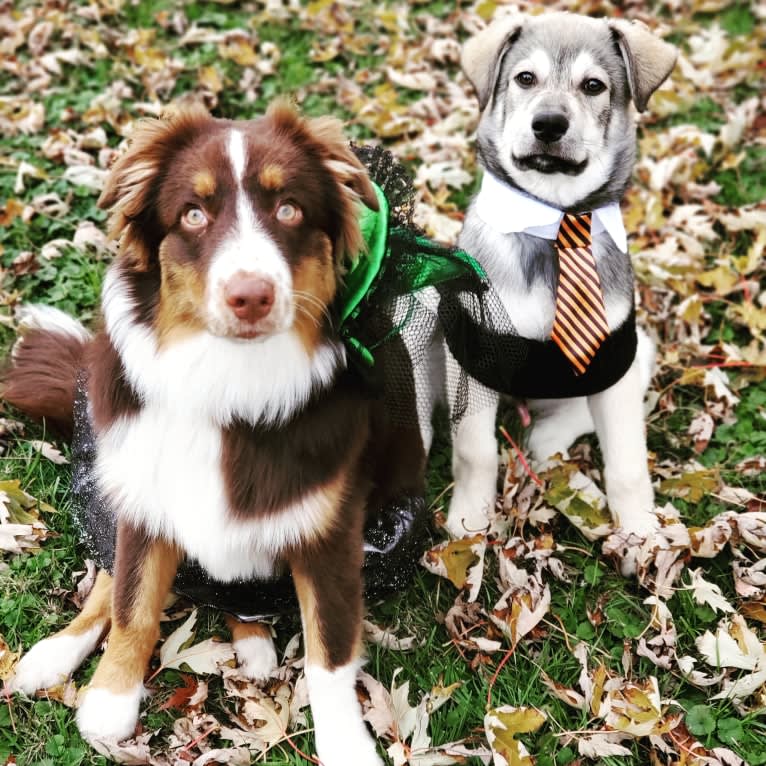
{"x": 550, "y": 126}
{"x": 249, "y": 297}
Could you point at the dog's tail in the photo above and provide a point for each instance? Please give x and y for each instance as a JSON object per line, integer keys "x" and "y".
{"x": 41, "y": 377}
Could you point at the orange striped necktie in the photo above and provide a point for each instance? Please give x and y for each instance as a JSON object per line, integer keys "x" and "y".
{"x": 580, "y": 325}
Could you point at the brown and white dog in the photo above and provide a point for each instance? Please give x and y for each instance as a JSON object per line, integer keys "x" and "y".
{"x": 228, "y": 428}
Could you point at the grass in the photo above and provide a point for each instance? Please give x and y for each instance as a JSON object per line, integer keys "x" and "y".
{"x": 596, "y": 605}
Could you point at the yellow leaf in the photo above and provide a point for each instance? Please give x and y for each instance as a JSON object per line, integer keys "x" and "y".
{"x": 749, "y": 315}
{"x": 747, "y": 264}
{"x": 454, "y": 559}
{"x": 692, "y": 485}
{"x": 210, "y": 79}
{"x": 599, "y": 679}
{"x": 8, "y": 660}
{"x": 503, "y": 724}
{"x": 239, "y": 51}
{"x": 722, "y": 279}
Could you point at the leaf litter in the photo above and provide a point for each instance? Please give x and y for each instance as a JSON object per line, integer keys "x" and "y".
{"x": 697, "y": 230}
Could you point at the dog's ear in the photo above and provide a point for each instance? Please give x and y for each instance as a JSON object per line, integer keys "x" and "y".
{"x": 341, "y": 160}
{"x": 130, "y": 192}
{"x": 352, "y": 179}
{"x": 482, "y": 53}
{"x": 648, "y": 60}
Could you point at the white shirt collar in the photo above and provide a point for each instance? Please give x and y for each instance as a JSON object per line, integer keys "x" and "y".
{"x": 508, "y": 210}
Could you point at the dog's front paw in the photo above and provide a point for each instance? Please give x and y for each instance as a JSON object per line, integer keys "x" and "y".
{"x": 466, "y": 519}
{"x": 637, "y": 521}
{"x": 631, "y": 502}
{"x": 51, "y": 661}
{"x": 256, "y": 657}
{"x": 106, "y": 716}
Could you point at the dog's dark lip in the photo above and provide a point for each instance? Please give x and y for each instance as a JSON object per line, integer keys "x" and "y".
{"x": 549, "y": 164}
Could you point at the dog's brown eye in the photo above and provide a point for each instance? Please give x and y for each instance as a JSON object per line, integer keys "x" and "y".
{"x": 525, "y": 79}
{"x": 593, "y": 87}
{"x": 194, "y": 218}
{"x": 289, "y": 214}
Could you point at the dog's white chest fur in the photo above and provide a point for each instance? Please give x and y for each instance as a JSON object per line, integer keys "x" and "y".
{"x": 163, "y": 473}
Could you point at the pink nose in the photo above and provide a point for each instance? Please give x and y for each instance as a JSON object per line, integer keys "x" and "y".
{"x": 249, "y": 297}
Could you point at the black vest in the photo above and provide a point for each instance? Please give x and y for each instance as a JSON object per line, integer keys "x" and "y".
{"x": 516, "y": 366}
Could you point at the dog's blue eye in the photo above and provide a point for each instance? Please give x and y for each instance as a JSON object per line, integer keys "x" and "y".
{"x": 525, "y": 79}
{"x": 593, "y": 87}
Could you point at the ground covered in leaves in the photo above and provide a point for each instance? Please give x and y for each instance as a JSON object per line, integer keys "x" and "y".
{"x": 527, "y": 641}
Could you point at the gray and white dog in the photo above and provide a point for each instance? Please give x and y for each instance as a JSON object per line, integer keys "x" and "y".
{"x": 557, "y": 135}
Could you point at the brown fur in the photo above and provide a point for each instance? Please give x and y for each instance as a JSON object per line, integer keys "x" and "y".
{"x": 267, "y": 468}
{"x": 97, "y": 608}
{"x": 43, "y": 376}
{"x": 181, "y": 295}
{"x": 242, "y": 630}
{"x": 272, "y": 177}
{"x": 203, "y": 183}
{"x": 144, "y": 572}
{"x": 109, "y": 392}
{"x": 314, "y": 286}
{"x": 330, "y": 597}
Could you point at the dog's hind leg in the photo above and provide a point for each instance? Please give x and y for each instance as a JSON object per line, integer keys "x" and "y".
{"x": 52, "y": 660}
{"x": 330, "y": 597}
{"x": 143, "y": 573}
{"x": 618, "y": 414}
{"x": 254, "y": 647}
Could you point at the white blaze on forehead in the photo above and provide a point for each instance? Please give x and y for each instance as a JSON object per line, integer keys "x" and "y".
{"x": 248, "y": 248}
{"x": 237, "y": 154}
{"x": 585, "y": 66}
{"x": 538, "y": 62}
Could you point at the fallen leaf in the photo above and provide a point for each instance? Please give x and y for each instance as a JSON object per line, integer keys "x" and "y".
{"x": 205, "y": 657}
{"x": 501, "y": 726}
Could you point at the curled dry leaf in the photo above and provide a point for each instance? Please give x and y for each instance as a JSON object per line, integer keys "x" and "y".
{"x": 204, "y": 657}
{"x": 460, "y": 561}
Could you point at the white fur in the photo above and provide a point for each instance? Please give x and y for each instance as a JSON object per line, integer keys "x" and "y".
{"x": 162, "y": 472}
{"x": 342, "y": 738}
{"x": 256, "y": 656}
{"x": 585, "y": 67}
{"x": 237, "y": 154}
{"x": 51, "y": 661}
{"x": 213, "y": 378}
{"x": 618, "y": 414}
{"x": 104, "y": 715}
{"x": 38, "y": 317}
{"x": 538, "y": 62}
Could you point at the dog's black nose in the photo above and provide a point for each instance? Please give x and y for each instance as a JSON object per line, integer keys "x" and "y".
{"x": 550, "y": 126}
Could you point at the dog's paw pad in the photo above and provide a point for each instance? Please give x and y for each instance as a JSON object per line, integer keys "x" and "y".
{"x": 256, "y": 657}
{"x": 51, "y": 661}
{"x": 104, "y": 715}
